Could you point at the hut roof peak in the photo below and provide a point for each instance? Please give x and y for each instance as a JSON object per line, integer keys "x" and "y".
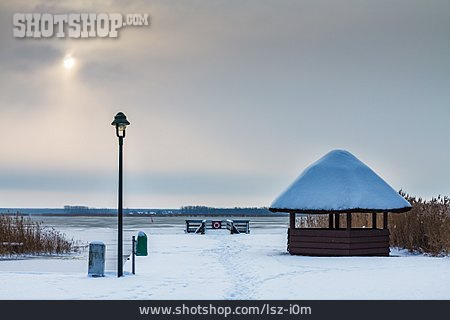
{"x": 339, "y": 182}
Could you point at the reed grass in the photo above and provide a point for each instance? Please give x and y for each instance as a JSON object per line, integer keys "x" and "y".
{"x": 424, "y": 229}
{"x": 22, "y": 235}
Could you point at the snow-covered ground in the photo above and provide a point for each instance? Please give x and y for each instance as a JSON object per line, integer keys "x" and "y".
{"x": 218, "y": 265}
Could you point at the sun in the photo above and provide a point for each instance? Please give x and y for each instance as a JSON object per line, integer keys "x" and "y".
{"x": 69, "y": 62}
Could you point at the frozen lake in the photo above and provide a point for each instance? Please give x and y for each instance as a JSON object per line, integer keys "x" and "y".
{"x": 218, "y": 265}
{"x": 87, "y": 229}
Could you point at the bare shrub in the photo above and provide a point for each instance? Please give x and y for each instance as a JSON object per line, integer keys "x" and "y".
{"x": 21, "y": 235}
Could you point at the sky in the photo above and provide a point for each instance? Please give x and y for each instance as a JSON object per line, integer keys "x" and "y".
{"x": 228, "y": 100}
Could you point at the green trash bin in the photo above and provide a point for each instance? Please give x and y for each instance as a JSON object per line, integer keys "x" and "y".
{"x": 141, "y": 244}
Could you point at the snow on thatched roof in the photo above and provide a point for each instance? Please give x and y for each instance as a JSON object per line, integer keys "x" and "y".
{"x": 339, "y": 182}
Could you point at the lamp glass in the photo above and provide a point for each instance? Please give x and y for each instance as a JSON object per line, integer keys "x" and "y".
{"x": 121, "y": 129}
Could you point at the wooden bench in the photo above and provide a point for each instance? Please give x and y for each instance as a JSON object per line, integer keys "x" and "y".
{"x": 238, "y": 226}
{"x": 195, "y": 226}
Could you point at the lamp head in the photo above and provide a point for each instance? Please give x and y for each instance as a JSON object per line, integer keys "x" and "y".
{"x": 120, "y": 122}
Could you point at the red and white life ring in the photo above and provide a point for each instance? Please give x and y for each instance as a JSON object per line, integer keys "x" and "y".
{"x": 217, "y": 224}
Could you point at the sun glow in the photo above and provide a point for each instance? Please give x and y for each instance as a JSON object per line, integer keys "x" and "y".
{"x": 69, "y": 62}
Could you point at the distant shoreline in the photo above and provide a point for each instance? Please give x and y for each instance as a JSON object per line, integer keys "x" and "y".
{"x": 185, "y": 211}
{"x": 143, "y": 215}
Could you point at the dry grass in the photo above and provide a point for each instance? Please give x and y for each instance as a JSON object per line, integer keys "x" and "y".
{"x": 425, "y": 229}
{"x": 21, "y": 235}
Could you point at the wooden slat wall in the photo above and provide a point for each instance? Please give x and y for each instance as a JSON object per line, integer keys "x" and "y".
{"x": 326, "y": 242}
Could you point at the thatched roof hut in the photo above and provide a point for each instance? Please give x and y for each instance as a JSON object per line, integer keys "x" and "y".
{"x": 339, "y": 183}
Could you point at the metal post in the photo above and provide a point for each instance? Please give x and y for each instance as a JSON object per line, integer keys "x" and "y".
{"x": 133, "y": 255}
{"x": 330, "y": 221}
{"x": 120, "y": 216}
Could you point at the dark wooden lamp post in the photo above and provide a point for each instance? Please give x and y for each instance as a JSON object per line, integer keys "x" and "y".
{"x": 121, "y": 123}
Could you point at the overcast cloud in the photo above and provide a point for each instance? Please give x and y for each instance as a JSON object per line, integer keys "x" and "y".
{"x": 228, "y": 100}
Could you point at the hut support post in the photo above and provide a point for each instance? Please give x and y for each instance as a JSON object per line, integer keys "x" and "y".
{"x": 349, "y": 220}
{"x": 330, "y": 221}
{"x": 385, "y": 220}
{"x": 336, "y": 220}
{"x": 292, "y": 220}
{"x": 374, "y": 220}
